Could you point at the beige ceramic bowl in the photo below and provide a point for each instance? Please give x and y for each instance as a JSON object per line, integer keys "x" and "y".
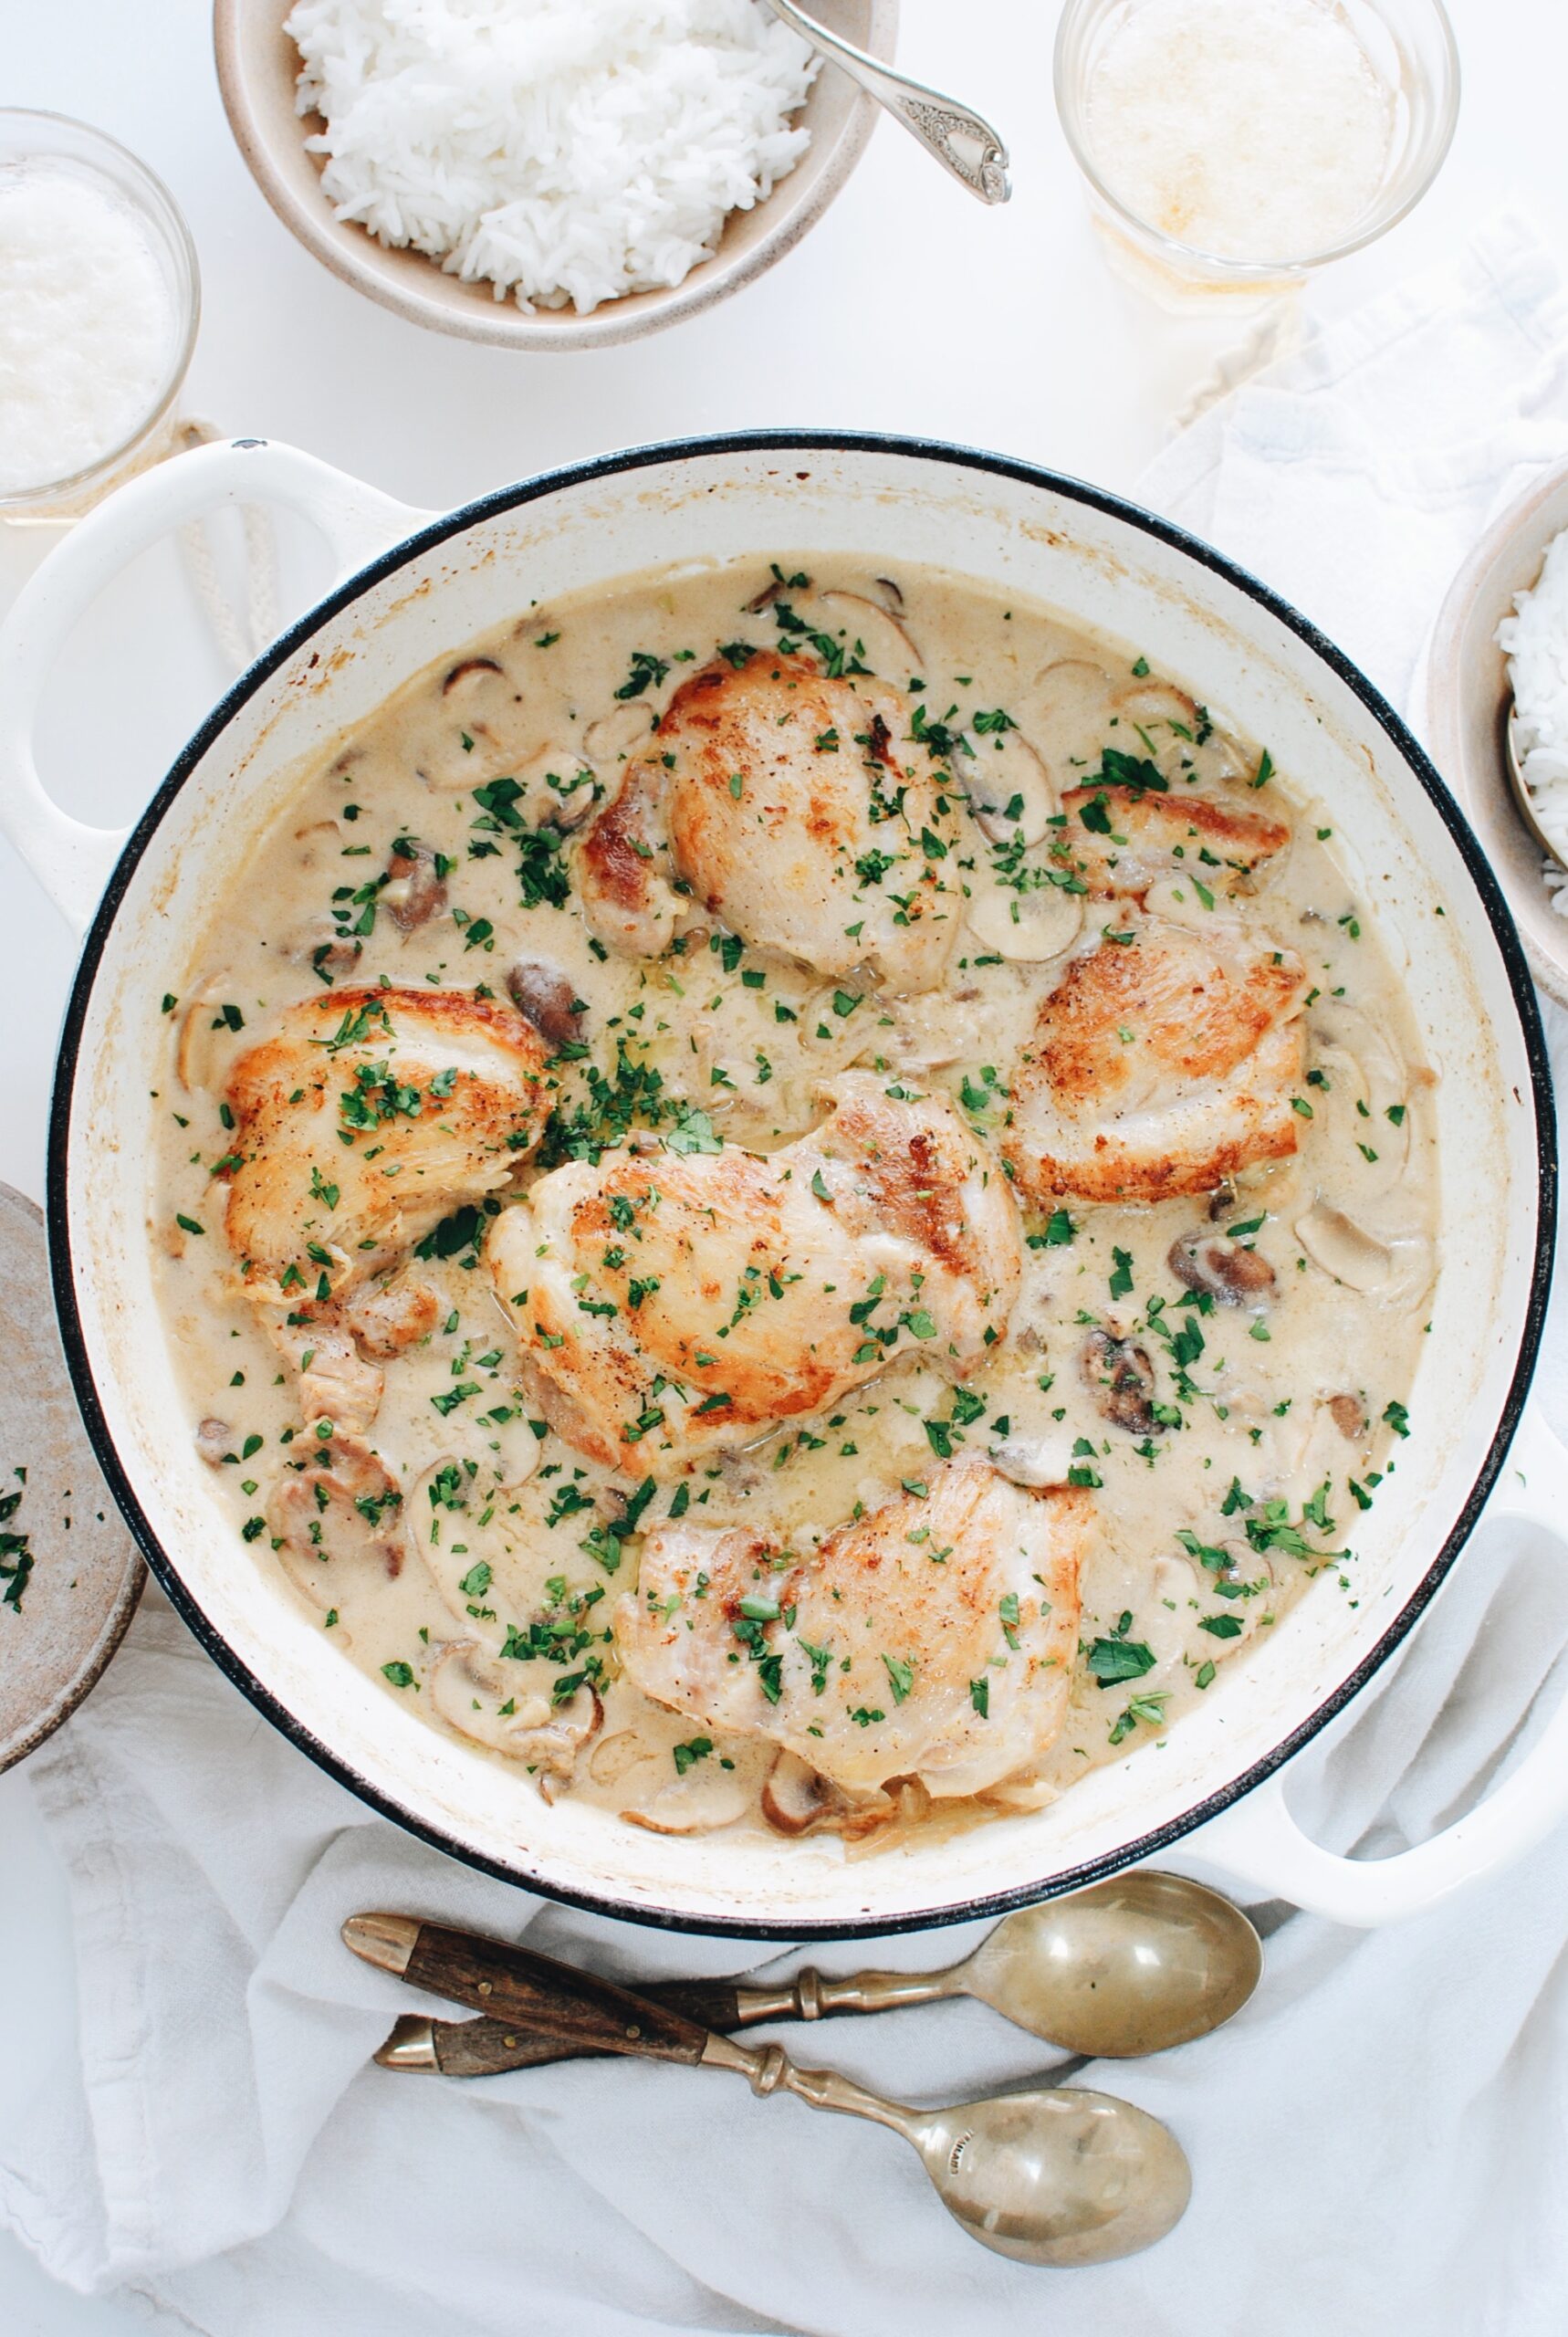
{"x": 257, "y": 68}
{"x": 1466, "y": 701}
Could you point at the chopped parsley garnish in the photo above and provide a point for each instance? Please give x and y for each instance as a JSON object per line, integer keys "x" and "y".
{"x": 647, "y": 672}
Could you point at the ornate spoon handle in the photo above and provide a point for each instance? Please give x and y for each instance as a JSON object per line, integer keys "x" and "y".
{"x": 962, "y": 142}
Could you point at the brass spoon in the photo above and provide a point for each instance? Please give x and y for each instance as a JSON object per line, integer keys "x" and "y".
{"x": 1524, "y": 802}
{"x": 1057, "y": 2175}
{"x": 1130, "y": 1966}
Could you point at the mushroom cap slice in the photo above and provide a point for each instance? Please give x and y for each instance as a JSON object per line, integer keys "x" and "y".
{"x": 1395, "y": 1270}
{"x": 1028, "y": 926}
{"x": 1000, "y": 770}
{"x": 336, "y": 1521}
{"x": 704, "y": 1800}
{"x": 795, "y": 1797}
{"x": 871, "y": 634}
{"x": 1231, "y": 1273}
{"x": 470, "y": 1696}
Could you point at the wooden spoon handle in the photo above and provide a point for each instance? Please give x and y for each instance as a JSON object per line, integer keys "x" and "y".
{"x": 484, "y": 2047}
{"x": 521, "y": 1991}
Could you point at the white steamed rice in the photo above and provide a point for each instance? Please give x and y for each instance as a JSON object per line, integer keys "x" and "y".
{"x": 1536, "y": 640}
{"x": 568, "y": 150}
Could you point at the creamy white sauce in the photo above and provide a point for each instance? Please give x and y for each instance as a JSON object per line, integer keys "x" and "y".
{"x": 746, "y": 1038}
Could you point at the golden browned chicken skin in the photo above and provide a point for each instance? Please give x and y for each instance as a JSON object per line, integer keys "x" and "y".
{"x": 1163, "y": 1061}
{"x": 364, "y": 1118}
{"x": 1146, "y": 836}
{"x": 796, "y": 808}
{"x": 933, "y": 1639}
{"x": 670, "y": 1303}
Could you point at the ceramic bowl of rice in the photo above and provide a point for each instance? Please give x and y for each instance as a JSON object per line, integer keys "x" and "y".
{"x": 1504, "y": 625}
{"x": 544, "y": 173}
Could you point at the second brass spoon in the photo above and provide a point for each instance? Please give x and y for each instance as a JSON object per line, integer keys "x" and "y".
{"x": 1126, "y": 1967}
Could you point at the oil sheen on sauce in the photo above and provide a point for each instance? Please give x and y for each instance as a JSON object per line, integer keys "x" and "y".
{"x": 1240, "y": 1433}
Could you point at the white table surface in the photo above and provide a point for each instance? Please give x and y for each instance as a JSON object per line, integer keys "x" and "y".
{"x": 908, "y": 309}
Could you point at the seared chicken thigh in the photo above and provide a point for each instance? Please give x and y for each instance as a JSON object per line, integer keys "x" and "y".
{"x": 1163, "y": 1062}
{"x": 1120, "y": 840}
{"x": 669, "y": 1301}
{"x": 369, "y": 1115}
{"x": 796, "y": 808}
{"x": 934, "y": 1638}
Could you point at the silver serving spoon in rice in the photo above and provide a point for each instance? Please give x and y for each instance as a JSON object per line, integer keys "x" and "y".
{"x": 961, "y": 141}
{"x": 1524, "y": 802}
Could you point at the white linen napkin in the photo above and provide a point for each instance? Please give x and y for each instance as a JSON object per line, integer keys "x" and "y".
{"x": 1379, "y": 2140}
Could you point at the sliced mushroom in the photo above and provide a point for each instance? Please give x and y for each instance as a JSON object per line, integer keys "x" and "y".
{"x": 869, "y": 634}
{"x": 322, "y": 836}
{"x": 1066, "y": 708}
{"x": 1182, "y": 736}
{"x": 1121, "y": 1378}
{"x": 478, "y": 733}
{"x": 335, "y": 1519}
{"x": 702, "y": 1802}
{"x": 464, "y": 681}
{"x": 389, "y": 1318}
{"x": 207, "y": 1036}
{"x": 544, "y": 994}
{"x": 1021, "y": 1797}
{"x": 765, "y": 599}
{"x": 552, "y": 1749}
{"x": 335, "y": 1383}
{"x": 415, "y": 891}
{"x": 1033, "y": 1461}
{"x": 471, "y": 1698}
{"x": 1228, "y": 1270}
{"x": 933, "y": 1029}
{"x": 1001, "y": 770}
{"x": 1145, "y": 703}
{"x": 1029, "y": 926}
{"x": 558, "y": 788}
{"x": 1390, "y": 1270}
{"x": 741, "y": 1474}
{"x": 483, "y": 1545}
{"x": 1175, "y": 900}
{"x": 215, "y": 1441}
{"x": 328, "y": 952}
{"x": 795, "y": 1797}
{"x": 1348, "y": 1414}
{"x": 435, "y": 1515}
{"x": 615, "y": 1757}
{"x": 606, "y": 742}
{"x": 912, "y": 1799}
{"x": 1359, "y": 1076}
{"x": 868, "y": 1815}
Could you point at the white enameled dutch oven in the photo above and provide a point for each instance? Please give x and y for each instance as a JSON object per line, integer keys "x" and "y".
{"x": 444, "y": 578}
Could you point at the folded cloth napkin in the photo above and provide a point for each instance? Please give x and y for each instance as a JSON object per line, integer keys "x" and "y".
{"x": 1379, "y": 2140}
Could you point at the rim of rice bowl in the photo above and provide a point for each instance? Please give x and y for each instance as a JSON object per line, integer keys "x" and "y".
{"x": 543, "y": 173}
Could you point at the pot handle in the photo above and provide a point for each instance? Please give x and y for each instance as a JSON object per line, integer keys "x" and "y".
{"x": 1260, "y": 1845}
{"x": 71, "y": 860}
